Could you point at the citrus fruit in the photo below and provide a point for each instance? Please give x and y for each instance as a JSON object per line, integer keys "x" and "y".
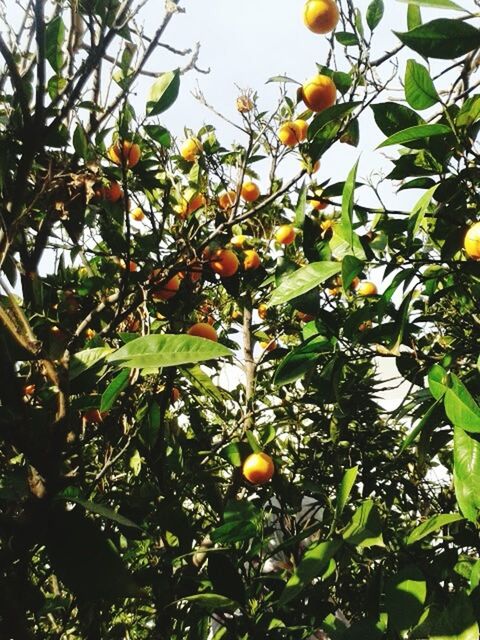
{"x": 191, "y": 149}
{"x": 250, "y": 191}
{"x": 319, "y": 93}
{"x": 366, "y": 288}
{"x": 285, "y": 234}
{"x": 251, "y": 260}
{"x": 125, "y": 152}
{"x": 320, "y": 16}
{"x": 472, "y": 242}
{"x": 203, "y": 330}
{"x": 258, "y": 468}
{"x": 224, "y": 262}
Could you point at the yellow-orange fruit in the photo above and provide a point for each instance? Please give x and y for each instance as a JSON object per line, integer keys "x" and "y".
{"x": 302, "y": 128}
{"x": 285, "y": 234}
{"x": 174, "y": 395}
{"x": 112, "y": 192}
{"x": 363, "y": 326}
{"x": 319, "y": 93}
{"x": 258, "y": 468}
{"x": 244, "y": 104}
{"x": 29, "y": 389}
{"x": 239, "y": 241}
{"x": 137, "y": 214}
{"x": 472, "y": 242}
{"x": 224, "y": 262}
{"x": 250, "y": 191}
{"x": 305, "y": 317}
{"x": 320, "y": 16}
{"x": 164, "y": 290}
{"x": 194, "y": 271}
{"x": 366, "y": 288}
{"x": 89, "y": 333}
{"x": 190, "y": 205}
{"x": 126, "y": 152}
{"x": 191, "y": 149}
{"x": 325, "y": 225}
{"x": 203, "y": 330}
{"x": 236, "y": 314}
{"x": 269, "y": 346}
{"x": 290, "y": 133}
{"x": 251, "y": 260}
{"x": 319, "y": 205}
{"x": 227, "y": 199}
{"x": 262, "y": 311}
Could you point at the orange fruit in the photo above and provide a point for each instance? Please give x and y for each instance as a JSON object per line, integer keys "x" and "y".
{"x": 262, "y": 311}
{"x": 319, "y": 205}
{"x": 191, "y": 149}
{"x": 251, "y": 260}
{"x": 236, "y": 314}
{"x": 302, "y": 128}
{"x": 132, "y": 266}
{"x": 203, "y": 330}
{"x": 305, "y": 317}
{"x": 250, "y": 191}
{"x": 94, "y": 416}
{"x": 224, "y": 262}
{"x": 164, "y": 290}
{"x": 363, "y": 326}
{"x": 258, "y": 468}
{"x": 227, "y": 199}
{"x": 319, "y": 93}
{"x": 137, "y": 214}
{"x": 175, "y": 395}
{"x": 320, "y": 16}
{"x": 325, "y": 225}
{"x": 29, "y": 389}
{"x": 190, "y": 204}
{"x": 194, "y": 271}
{"x": 269, "y": 346}
{"x": 285, "y": 234}
{"x": 366, "y": 288}
{"x": 112, "y": 192}
{"x": 290, "y": 133}
{"x": 471, "y": 243}
{"x": 90, "y": 333}
{"x": 126, "y": 152}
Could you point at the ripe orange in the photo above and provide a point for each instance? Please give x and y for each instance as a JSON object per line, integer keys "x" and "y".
{"x": 252, "y": 260}
{"x": 319, "y": 93}
{"x": 175, "y": 395}
{"x": 29, "y": 389}
{"x": 90, "y": 333}
{"x": 191, "y": 149}
{"x": 203, "y": 330}
{"x": 305, "y": 317}
{"x": 291, "y": 133}
{"x": 224, "y": 262}
{"x": 113, "y": 192}
{"x": 258, "y": 468}
{"x": 269, "y": 345}
{"x": 320, "y": 16}
{"x": 472, "y": 242}
{"x": 250, "y": 191}
{"x": 319, "y": 205}
{"x": 190, "y": 204}
{"x": 366, "y": 288}
{"x": 164, "y": 290}
{"x": 227, "y": 199}
{"x": 126, "y": 152}
{"x": 194, "y": 271}
{"x": 137, "y": 214}
{"x": 262, "y": 311}
{"x": 285, "y": 234}
{"x": 94, "y": 416}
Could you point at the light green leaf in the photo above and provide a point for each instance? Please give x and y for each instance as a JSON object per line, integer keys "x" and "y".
{"x": 313, "y": 564}
{"x": 420, "y": 91}
{"x": 434, "y": 4}
{"x": 303, "y": 280}
{"x": 351, "y": 267}
{"x": 405, "y": 595}
{"x": 345, "y": 242}
{"x": 54, "y": 43}
{"x": 365, "y": 528}
{"x": 83, "y": 360}
{"x": 460, "y": 407}
{"x": 166, "y": 350}
{"x": 163, "y": 93}
{"x": 414, "y": 16}
{"x": 211, "y": 601}
{"x": 420, "y": 209}
{"x": 466, "y": 472}
{"x": 344, "y": 490}
{"x": 348, "y": 200}
{"x": 203, "y": 383}
{"x": 301, "y": 207}
{"x": 438, "y": 381}
{"x": 418, "y": 132}
{"x": 432, "y": 524}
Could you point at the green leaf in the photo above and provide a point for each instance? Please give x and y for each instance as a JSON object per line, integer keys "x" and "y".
{"x": 375, "y": 12}
{"x": 348, "y": 199}
{"x": 466, "y": 472}
{"x": 391, "y": 117}
{"x": 166, "y": 350}
{"x": 351, "y": 268}
{"x": 365, "y": 528}
{"x": 203, "y": 383}
{"x": 301, "y": 207}
{"x": 405, "y": 595}
{"x": 313, "y": 564}
{"x": 241, "y": 521}
{"x": 420, "y": 426}
{"x": 225, "y": 577}
{"x": 300, "y": 360}
{"x": 114, "y": 389}
{"x": 344, "y": 489}
{"x": 412, "y": 134}
{"x": 235, "y": 452}
{"x": 303, "y": 280}
{"x": 438, "y": 381}
{"x": 414, "y": 16}
{"x": 420, "y": 91}
{"x": 443, "y": 38}
{"x": 434, "y": 4}
{"x": 282, "y": 79}
{"x": 86, "y": 359}
{"x": 345, "y": 241}
{"x": 432, "y": 524}
{"x": 346, "y": 39}
{"x": 211, "y": 601}
{"x": 335, "y": 114}
{"x": 457, "y": 621}
{"x": 100, "y": 509}
{"x": 420, "y": 209}
{"x": 469, "y": 112}
{"x": 80, "y": 142}
{"x": 54, "y": 43}
{"x": 460, "y": 407}
{"x": 159, "y": 134}
{"x": 163, "y": 93}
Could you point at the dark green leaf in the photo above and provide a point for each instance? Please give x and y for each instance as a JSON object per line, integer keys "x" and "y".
{"x": 100, "y": 509}
{"x": 344, "y": 489}
{"x": 346, "y": 39}
{"x": 365, "y": 528}
{"x": 163, "y": 93}
{"x": 391, "y": 117}
{"x": 412, "y": 134}
{"x": 442, "y": 38}
{"x": 466, "y": 472}
{"x": 351, "y": 268}
{"x": 375, "y": 12}
{"x": 300, "y": 360}
{"x": 434, "y": 4}
{"x": 114, "y": 389}
{"x": 405, "y": 595}
{"x": 80, "y": 142}
{"x": 457, "y": 621}
{"x": 54, "y": 43}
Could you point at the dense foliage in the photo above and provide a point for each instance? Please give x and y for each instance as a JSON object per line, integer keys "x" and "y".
{"x": 124, "y": 509}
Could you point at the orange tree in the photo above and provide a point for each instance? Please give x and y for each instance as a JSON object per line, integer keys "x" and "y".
{"x": 192, "y": 443}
